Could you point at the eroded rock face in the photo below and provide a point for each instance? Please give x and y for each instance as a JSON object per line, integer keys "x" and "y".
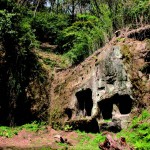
{"x": 101, "y": 87}
{"x": 111, "y": 84}
{"x": 94, "y": 93}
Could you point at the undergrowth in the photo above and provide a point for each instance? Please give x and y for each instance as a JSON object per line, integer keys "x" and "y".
{"x": 11, "y": 131}
{"x": 88, "y": 141}
{"x": 138, "y": 134}
{"x": 8, "y": 131}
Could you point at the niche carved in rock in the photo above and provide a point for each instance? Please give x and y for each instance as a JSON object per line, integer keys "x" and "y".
{"x": 84, "y": 102}
{"x": 124, "y": 103}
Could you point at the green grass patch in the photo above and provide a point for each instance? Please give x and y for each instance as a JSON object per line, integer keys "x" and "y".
{"x": 88, "y": 141}
{"x": 8, "y": 131}
{"x": 138, "y": 134}
{"x": 33, "y": 127}
{"x": 11, "y": 131}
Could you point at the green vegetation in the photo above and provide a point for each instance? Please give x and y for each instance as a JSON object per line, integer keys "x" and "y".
{"x": 19, "y": 65}
{"x": 74, "y": 29}
{"x": 8, "y": 132}
{"x": 138, "y": 133}
{"x": 89, "y": 141}
{"x": 11, "y": 131}
{"x": 86, "y": 35}
{"x": 67, "y": 128}
{"x": 47, "y": 26}
{"x": 34, "y": 126}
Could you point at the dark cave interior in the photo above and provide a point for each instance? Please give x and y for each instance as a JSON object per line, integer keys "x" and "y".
{"x": 84, "y": 101}
{"x": 124, "y": 103}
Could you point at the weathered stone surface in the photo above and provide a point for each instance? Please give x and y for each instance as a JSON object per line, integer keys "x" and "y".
{"x": 105, "y": 79}
{"x": 101, "y": 86}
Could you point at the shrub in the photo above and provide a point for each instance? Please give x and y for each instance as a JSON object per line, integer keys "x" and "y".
{"x": 137, "y": 12}
{"x": 85, "y": 36}
{"x": 48, "y": 26}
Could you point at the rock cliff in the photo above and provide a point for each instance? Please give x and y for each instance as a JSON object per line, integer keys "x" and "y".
{"x": 110, "y": 84}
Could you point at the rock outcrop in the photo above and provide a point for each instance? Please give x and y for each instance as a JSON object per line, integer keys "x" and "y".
{"x": 101, "y": 87}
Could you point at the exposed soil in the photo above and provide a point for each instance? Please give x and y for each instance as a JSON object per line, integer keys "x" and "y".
{"x": 40, "y": 139}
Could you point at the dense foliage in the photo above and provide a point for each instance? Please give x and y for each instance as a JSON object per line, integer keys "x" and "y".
{"x": 85, "y": 36}
{"x": 77, "y": 28}
{"x": 19, "y": 65}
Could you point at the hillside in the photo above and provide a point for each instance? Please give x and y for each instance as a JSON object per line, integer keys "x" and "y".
{"x": 118, "y": 73}
{"x": 131, "y": 57}
{"x": 74, "y": 68}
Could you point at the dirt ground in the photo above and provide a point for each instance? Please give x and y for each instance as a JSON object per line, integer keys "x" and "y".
{"x": 45, "y": 139}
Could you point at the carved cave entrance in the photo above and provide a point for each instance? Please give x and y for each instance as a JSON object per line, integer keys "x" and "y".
{"x": 84, "y": 102}
{"x": 124, "y": 103}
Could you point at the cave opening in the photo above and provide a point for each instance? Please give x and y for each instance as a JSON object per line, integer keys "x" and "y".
{"x": 68, "y": 112}
{"x": 106, "y": 108}
{"x": 84, "y": 102}
{"x": 123, "y": 102}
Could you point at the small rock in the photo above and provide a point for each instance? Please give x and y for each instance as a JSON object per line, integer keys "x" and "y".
{"x": 59, "y": 139}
